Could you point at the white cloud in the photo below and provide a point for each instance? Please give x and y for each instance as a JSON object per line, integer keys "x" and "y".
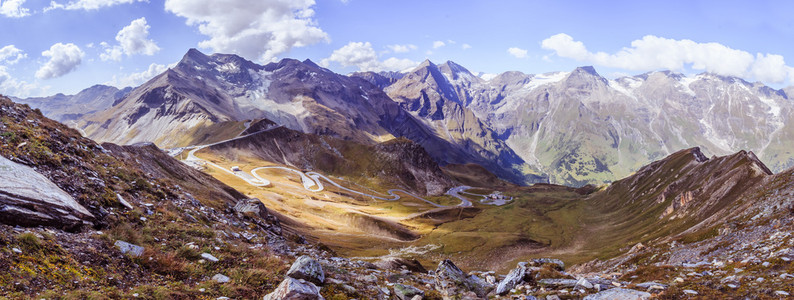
{"x": 88, "y": 4}
{"x": 652, "y": 53}
{"x": 259, "y": 30}
{"x": 11, "y": 54}
{"x": 12, "y": 86}
{"x": 517, "y": 52}
{"x": 64, "y": 58}
{"x": 133, "y": 39}
{"x": 401, "y": 48}
{"x": 361, "y": 55}
{"x": 771, "y": 68}
{"x": 465, "y": 46}
{"x": 112, "y": 53}
{"x": 13, "y": 9}
{"x": 136, "y": 79}
{"x": 438, "y": 44}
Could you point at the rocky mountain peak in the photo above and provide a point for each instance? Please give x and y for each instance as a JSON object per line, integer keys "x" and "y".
{"x": 455, "y": 71}
{"x": 586, "y": 74}
{"x": 192, "y": 58}
{"x": 513, "y": 78}
{"x": 586, "y": 69}
{"x": 284, "y": 63}
{"x": 311, "y": 63}
{"x": 429, "y": 78}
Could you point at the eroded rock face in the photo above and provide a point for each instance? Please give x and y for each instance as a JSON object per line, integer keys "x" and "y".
{"x": 451, "y": 282}
{"x": 27, "y": 198}
{"x": 515, "y": 277}
{"x": 251, "y": 206}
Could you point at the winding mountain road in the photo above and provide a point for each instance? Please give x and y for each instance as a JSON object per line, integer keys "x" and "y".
{"x": 312, "y": 180}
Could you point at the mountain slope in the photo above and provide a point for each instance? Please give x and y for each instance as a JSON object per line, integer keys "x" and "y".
{"x": 579, "y": 127}
{"x": 573, "y": 127}
{"x": 398, "y": 163}
{"x": 428, "y": 93}
{"x": 70, "y": 108}
{"x": 203, "y": 91}
{"x": 206, "y": 99}
{"x": 135, "y": 195}
{"x": 683, "y": 194}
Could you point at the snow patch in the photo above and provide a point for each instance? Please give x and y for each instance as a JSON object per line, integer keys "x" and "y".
{"x": 228, "y": 68}
{"x": 488, "y": 76}
{"x": 773, "y": 106}
{"x": 463, "y": 78}
{"x": 711, "y": 136}
{"x": 547, "y": 78}
{"x": 621, "y": 89}
{"x": 686, "y": 81}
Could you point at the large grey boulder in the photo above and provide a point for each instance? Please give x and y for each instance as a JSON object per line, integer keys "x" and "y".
{"x": 27, "y": 198}
{"x": 514, "y": 278}
{"x": 308, "y": 269}
{"x": 295, "y": 289}
{"x": 406, "y": 292}
{"x": 619, "y": 294}
{"x": 451, "y": 282}
{"x": 127, "y": 248}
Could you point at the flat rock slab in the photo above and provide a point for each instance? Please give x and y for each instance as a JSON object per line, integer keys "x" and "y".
{"x": 619, "y": 294}
{"x": 27, "y": 198}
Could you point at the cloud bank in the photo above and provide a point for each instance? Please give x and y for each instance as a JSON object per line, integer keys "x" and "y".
{"x": 88, "y": 4}
{"x": 653, "y": 53}
{"x": 259, "y": 30}
{"x": 362, "y": 56}
{"x": 13, "y": 9}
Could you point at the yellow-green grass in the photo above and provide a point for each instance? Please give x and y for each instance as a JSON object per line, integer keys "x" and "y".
{"x": 538, "y": 222}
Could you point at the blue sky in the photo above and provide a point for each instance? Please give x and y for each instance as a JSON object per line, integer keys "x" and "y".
{"x": 68, "y": 45}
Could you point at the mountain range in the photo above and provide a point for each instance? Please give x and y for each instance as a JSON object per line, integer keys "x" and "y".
{"x": 86, "y": 215}
{"x": 571, "y": 128}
